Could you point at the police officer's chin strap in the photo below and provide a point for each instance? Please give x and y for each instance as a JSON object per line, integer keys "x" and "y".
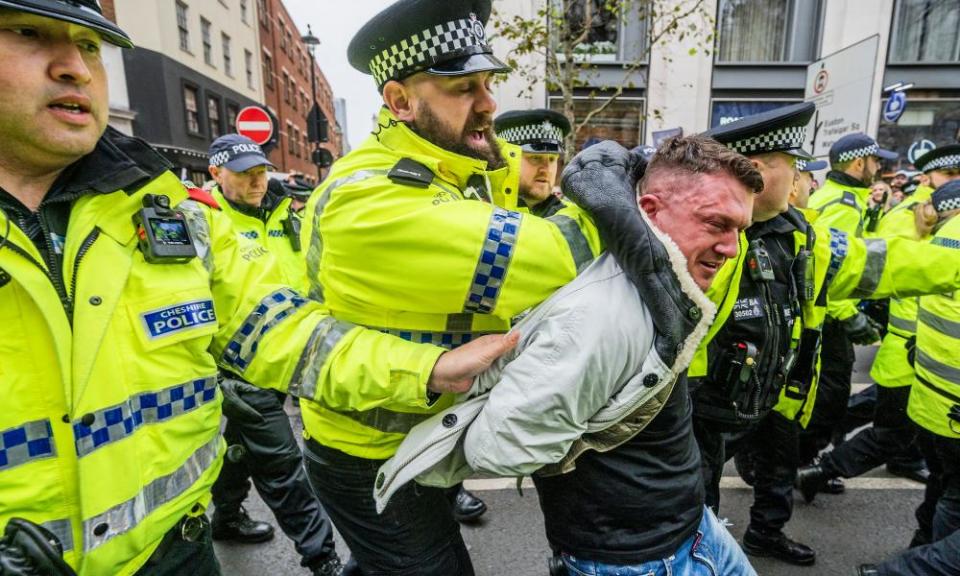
{"x": 28, "y": 549}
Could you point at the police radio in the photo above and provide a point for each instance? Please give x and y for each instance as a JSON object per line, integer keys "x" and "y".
{"x": 163, "y": 234}
{"x": 759, "y": 263}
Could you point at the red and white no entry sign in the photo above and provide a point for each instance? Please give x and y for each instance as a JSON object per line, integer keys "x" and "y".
{"x": 254, "y": 123}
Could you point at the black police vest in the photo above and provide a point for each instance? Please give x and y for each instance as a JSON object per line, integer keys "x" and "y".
{"x": 750, "y": 358}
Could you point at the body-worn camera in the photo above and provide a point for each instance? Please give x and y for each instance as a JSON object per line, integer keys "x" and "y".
{"x": 759, "y": 263}
{"x": 291, "y": 227}
{"x": 163, "y": 232}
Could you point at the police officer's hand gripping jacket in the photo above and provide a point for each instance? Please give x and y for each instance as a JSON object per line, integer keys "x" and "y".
{"x": 861, "y": 329}
{"x": 28, "y": 549}
{"x": 234, "y": 406}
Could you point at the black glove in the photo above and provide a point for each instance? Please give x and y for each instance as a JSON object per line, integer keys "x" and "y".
{"x": 861, "y": 329}
{"x": 602, "y": 180}
{"x": 234, "y": 407}
{"x": 911, "y": 346}
{"x": 28, "y": 549}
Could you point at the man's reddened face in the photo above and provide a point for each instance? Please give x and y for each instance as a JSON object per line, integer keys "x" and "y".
{"x": 704, "y": 219}
{"x": 453, "y": 112}
{"x": 779, "y": 172}
{"x": 247, "y": 188}
{"x": 538, "y": 173}
{"x": 55, "y": 102}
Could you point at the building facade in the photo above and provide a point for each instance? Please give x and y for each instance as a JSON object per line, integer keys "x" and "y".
{"x": 287, "y": 92}
{"x": 759, "y": 61}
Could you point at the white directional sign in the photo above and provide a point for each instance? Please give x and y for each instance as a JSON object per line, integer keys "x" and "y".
{"x": 841, "y": 85}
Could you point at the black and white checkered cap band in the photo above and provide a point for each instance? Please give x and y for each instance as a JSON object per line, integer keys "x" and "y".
{"x": 544, "y": 131}
{"x": 781, "y": 139}
{"x": 426, "y": 48}
{"x": 946, "y": 202}
{"x": 849, "y": 155}
{"x": 949, "y": 161}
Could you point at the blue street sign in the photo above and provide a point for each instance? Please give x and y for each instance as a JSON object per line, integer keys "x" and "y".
{"x": 918, "y": 149}
{"x": 894, "y": 107}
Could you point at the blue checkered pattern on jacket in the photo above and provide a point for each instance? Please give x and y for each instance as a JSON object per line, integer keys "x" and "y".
{"x": 494, "y": 261}
{"x": 25, "y": 443}
{"x": 947, "y": 242}
{"x": 274, "y": 308}
{"x": 120, "y": 421}
{"x": 448, "y": 340}
{"x": 839, "y": 244}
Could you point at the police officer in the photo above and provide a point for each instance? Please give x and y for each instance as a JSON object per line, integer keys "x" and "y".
{"x": 540, "y": 134}
{"x": 892, "y": 432}
{"x": 855, "y": 163}
{"x": 109, "y": 433}
{"x": 757, "y": 377}
{"x": 806, "y": 183}
{"x": 272, "y": 456}
{"x": 415, "y": 233}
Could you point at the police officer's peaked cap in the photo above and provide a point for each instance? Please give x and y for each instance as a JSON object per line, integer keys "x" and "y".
{"x": 536, "y": 131}
{"x": 443, "y": 37}
{"x": 804, "y": 165}
{"x": 946, "y": 197}
{"x": 779, "y": 130}
{"x": 857, "y": 145}
{"x": 942, "y": 158}
{"x": 85, "y": 13}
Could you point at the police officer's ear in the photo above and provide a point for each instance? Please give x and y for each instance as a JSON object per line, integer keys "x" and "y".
{"x": 214, "y": 172}
{"x": 398, "y": 98}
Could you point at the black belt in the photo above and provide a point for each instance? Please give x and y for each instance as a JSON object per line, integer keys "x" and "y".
{"x": 188, "y": 529}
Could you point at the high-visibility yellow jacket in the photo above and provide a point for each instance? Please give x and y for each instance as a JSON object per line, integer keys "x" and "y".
{"x": 842, "y": 206}
{"x": 109, "y": 438}
{"x": 937, "y": 387}
{"x": 890, "y": 366}
{"x": 273, "y": 236}
{"x": 843, "y": 266}
{"x": 395, "y": 243}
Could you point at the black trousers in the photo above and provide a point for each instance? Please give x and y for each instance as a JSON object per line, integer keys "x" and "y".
{"x": 176, "y": 556}
{"x": 892, "y": 433}
{"x": 833, "y": 391}
{"x": 941, "y": 557}
{"x": 415, "y": 536}
{"x": 274, "y": 461}
{"x": 939, "y": 514}
{"x": 772, "y": 443}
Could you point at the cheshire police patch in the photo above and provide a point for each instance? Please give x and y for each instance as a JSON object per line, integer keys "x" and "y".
{"x": 178, "y": 317}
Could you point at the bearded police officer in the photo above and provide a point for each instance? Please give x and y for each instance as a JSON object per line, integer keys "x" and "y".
{"x": 109, "y": 433}
{"x": 272, "y": 456}
{"x": 415, "y": 233}
{"x": 757, "y": 376}
{"x": 855, "y": 163}
{"x": 540, "y": 134}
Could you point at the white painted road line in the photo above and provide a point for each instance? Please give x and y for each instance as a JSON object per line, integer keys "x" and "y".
{"x": 727, "y": 483}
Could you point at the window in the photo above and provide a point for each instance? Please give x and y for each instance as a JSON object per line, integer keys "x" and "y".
{"x": 294, "y": 100}
{"x": 290, "y": 141}
{"x": 227, "y": 63}
{"x": 296, "y": 141}
{"x": 267, "y": 70}
{"x": 182, "y": 26}
{"x": 214, "y": 129}
{"x": 592, "y": 25}
{"x": 282, "y": 31}
{"x": 248, "y": 67}
{"x": 936, "y": 120}
{"x": 752, "y": 30}
{"x": 232, "y": 111}
{"x": 192, "y": 113}
{"x": 243, "y": 11}
{"x": 306, "y": 146}
{"x": 207, "y": 46}
{"x": 286, "y": 87}
{"x": 726, "y": 111}
{"x": 926, "y": 31}
{"x": 264, "y": 15}
{"x": 622, "y": 120}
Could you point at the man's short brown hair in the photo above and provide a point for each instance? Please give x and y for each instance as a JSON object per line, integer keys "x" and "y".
{"x": 685, "y": 156}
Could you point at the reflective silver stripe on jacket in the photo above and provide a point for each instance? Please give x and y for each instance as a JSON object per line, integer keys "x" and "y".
{"x": 325, "y": 337}
{"x": 945, "y": 371}
{"x": 950, "y": 328}
{"x": 63, "y": 531}
{"x": 97, "y": 429}
{"x": 25, "y": 443}
{"x": 272, "y": 310}
{"x": 126, "y": 516}
{"x": 872, "y": 268}
{"x": 903, "y": 324}
{"x": 495, "y": 257}
{"x": 315, "y": 249}
{"x": 386, "y": 421}
{"x": 579, "y": 247}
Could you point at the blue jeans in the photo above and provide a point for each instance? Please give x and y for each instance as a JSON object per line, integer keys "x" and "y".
{"x": 711, "y": 551}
